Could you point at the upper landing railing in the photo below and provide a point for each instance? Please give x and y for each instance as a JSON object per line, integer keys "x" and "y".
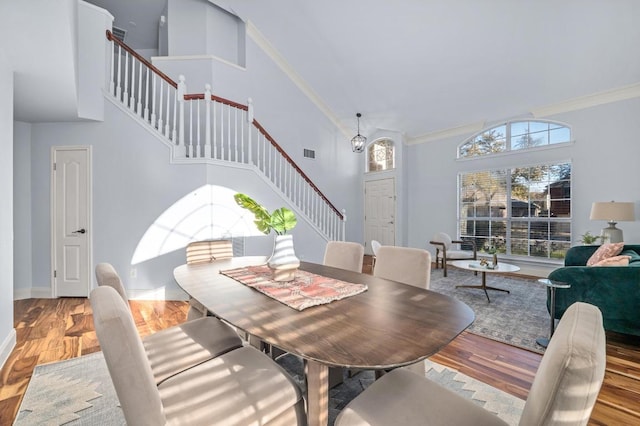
{"x": 205, "y": 126}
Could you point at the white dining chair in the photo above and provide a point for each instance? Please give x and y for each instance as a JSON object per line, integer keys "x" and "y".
{"x": 563, "y": 392}
{"x": 344, "y": 255}
{"x": 375, "y": 246}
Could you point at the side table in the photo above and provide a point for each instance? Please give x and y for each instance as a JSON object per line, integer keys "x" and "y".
{"x": 553, "y": 285}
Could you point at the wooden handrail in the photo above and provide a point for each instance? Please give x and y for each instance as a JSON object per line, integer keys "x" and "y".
{"x": 196, "y": 96}
{"x": 295, "y": 166}
{"x": 135, "y": 54}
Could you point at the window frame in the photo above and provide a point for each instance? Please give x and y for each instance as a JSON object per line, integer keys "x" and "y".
{"x": 508, "y": 149}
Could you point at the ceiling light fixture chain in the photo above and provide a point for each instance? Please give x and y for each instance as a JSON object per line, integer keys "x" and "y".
{"x": 358, "y": 141}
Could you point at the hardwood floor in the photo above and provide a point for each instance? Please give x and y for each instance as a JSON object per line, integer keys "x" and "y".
{"x": 55, "y": 329}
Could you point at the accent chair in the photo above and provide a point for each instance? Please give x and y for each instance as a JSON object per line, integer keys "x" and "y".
{"x": 448, "y": 249}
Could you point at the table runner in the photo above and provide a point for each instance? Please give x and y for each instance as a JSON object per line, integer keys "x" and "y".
{"x": 306, "y": 290}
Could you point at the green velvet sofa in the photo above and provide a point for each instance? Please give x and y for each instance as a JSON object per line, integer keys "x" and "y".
{"x": 613, "y": 289}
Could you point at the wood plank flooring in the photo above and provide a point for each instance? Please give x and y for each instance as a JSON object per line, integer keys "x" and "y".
{"x": 55, "y": 329}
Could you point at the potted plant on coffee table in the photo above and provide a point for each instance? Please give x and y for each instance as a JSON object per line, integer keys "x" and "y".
{"x": 283, "y": 262}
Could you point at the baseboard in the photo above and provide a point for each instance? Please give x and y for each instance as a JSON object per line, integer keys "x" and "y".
{"x": 157, "y": 294}
{"x": 7, "y": 346}
{"x": 32, "y": 293}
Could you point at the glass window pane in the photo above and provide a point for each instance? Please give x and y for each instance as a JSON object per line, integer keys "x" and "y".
{"x": 560, "y": 135}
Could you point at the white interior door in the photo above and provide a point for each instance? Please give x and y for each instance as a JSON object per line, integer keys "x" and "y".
{"x": 380, "y": 212}
{"x": 71, "y": 221}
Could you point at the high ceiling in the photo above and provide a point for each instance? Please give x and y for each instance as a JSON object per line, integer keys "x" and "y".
{"x": 423, "y": 66}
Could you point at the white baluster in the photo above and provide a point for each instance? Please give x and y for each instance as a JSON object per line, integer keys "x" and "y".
{"x": 207, "y": 125}
{"x": 139, "y": 104}
{"x": 167, "y": 115}
{"x": 182, "y": 89}
{"x": 250, "y": 121}
{"x": 125, "y": 94}
{"x": 228, "y": 133}
{"x": 153, "y": 100}
{"x": 146, "y": 103}
{"x": 112, "y": 84}
{"x": 159, "y": 107}
{"x": 119, "y": 86}
{"x": 189, "y": 149}
{"x": 236, "y": 131}
{"x": 197, "y": 153}
{"x": 132, "y": 99}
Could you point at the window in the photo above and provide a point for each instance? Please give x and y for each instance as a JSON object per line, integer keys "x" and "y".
{"x": 513, "y": 136}
{"x": 522, "y": 211}
{"x": 381, "y": 155}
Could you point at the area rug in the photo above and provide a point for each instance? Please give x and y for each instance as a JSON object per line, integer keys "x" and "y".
{"x": 517, "y": 318}
{"x": 79, "y": 391}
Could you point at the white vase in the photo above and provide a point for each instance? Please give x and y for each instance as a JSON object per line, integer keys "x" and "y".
{"x": 283, "y": 262}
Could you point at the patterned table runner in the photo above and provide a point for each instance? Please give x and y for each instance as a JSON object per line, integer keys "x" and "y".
{"x": 306, "y": 290}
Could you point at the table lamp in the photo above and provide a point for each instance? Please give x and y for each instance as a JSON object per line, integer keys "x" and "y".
{"x": 612, "y": 212}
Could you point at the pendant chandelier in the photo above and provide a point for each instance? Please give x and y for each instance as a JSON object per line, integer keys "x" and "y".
{"x": 358, "y": 141}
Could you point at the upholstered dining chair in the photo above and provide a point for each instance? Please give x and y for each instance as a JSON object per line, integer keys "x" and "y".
{"x": 563, "y": 392}
{"x": 177, "y": 348}
{"x": 375, "y": 246}
{"x": 241, "y": 386}
{"x": 448, "y": 249}
{"x": 203, "y": 252}
{"x": 404, "y": 264}
{"x": 344, "y": 255}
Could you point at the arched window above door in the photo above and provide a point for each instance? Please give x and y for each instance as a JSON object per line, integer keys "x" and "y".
{"x": 381, "y": 155}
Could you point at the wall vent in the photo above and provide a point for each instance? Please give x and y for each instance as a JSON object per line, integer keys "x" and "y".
{"x": 119, "y": 33}
{"x": 309, "y": 153}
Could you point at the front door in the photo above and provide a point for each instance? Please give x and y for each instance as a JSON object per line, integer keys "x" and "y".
{"x": 380, "y": 212}
{"x": 71, "y": 221}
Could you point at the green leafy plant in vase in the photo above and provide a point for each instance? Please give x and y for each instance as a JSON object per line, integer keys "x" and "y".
{"x": 283, "y": 262}
{"x": 492, "y": 250}
{"x": 589, "y": 239}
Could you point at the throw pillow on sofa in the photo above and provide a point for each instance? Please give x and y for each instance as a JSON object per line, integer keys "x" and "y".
{"x": 614, "y": 261}
{"x": 605, "y": 251}
{"x": 635, "y": 257}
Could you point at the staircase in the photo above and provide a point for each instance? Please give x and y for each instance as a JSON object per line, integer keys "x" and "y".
{"x": 206, "y": 128}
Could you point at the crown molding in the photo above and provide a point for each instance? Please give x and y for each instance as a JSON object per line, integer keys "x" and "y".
{"x": 589, "y": 101}
{"x": 446, "y": 133}
{"x": 291, "y": 73}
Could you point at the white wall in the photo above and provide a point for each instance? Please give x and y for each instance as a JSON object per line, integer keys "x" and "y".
{"x": 22, "y": 245}
{"x": 92, "y": 61}
{"x": 7, "y": 333}
{"x": 604, "y": 159}
{"x": 290, "y": 117}
{"x": 133, "y": 183}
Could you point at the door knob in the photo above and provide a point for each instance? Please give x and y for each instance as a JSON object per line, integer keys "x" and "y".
{"x": 79, "y": 231}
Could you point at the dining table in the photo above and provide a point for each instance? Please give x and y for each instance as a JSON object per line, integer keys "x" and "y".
{"x": 389, "y": 325}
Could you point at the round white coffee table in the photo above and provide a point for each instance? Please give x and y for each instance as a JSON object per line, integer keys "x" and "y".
{"x": 474, "y": 265}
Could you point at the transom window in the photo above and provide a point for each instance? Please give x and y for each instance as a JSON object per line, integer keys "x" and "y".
{"x": 381, "y": 155}
{"x": 513, "y": 136}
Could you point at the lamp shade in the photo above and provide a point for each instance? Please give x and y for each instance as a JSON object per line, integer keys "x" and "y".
{"x": 612, "y": 211}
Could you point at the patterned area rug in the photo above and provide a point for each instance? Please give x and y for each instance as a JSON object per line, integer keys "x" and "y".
{"x": 79, "y": 392}
{"x": 517, "y": 318}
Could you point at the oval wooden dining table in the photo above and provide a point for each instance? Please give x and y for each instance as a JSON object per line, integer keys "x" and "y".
{"x": 390, "y": 325}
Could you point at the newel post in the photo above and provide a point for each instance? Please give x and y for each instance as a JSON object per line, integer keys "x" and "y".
{"x": 182, "y": 90}
{"x": 250, "y": 121}
{"x": 344, "y": 224}
{"x": 207, "y": 120}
